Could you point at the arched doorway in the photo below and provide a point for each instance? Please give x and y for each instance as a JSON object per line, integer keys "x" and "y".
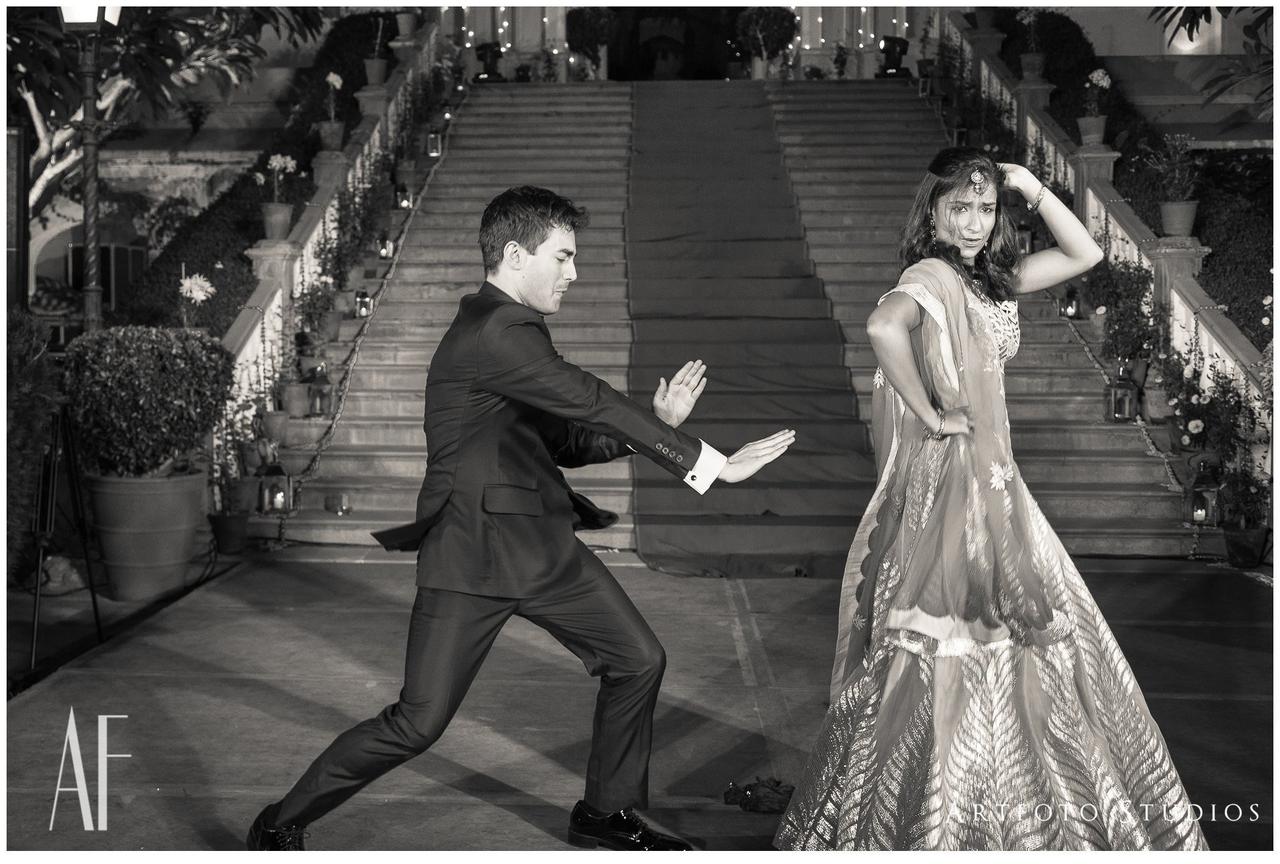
{"x": 666, "y": 42}
{"x": 57, "y": 289}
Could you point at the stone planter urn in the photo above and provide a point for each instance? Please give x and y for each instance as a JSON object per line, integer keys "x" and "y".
{"x": 331, "y": 134}
{"x": 759, "y": 68}
{"x": 1092, "y": 129}
{"x": 1177, "y": 218}
{"x": 1032, "y": 66}
{"x": 276, "y": 220}
{"x": 406, "y": 23}
{"x": 375, "y": 70}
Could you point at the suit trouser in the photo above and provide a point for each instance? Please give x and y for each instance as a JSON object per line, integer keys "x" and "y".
{"x": 450, "y": 634}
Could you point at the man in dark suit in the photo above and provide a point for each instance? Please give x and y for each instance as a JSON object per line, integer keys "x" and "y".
{"x": 495, "y": 532}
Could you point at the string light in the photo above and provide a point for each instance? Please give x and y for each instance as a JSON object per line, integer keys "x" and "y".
{"x": 819, "y": 19}
{"x": 544, "y": 20}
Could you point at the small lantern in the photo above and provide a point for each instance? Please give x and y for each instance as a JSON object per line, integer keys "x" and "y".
{"x": 1200, "y": 499}
{"x": 386, "y": 246}
{"x": 364, "y": 304}
{"x": 275, "y": 490}
{"x": 1069, "y": 306}
{"x": 404, "y": 198}
{"x": 434, "y": 143}
{"x": 321, "y": 391}
{"x": 337, "y": 503}
{"x": 1122, "y": 401}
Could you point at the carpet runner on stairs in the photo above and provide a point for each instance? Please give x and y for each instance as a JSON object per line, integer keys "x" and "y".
{"x": 718, "y": 269}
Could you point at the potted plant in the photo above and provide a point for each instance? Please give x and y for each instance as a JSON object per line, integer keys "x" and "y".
{"x": 277, "y": 216}
{"x": 375, "y": 67}
{"x": 142, "y": 399}
{"x": 1186, "y": 399}
{"x": 1094, "y": 123}
{"x": 406, "y": 23}
{"x": 926, "y": 65}
{"x": 1237, "y": 429}
{"x": 193, "y": 290}
{"x": 840, "y": 60}
{"x": 232, "y": 497}
{"x": 331, "y": 130}
{"x": 1120, "y": 292}
{"x": 767, "y": 31}
{"x": 1032, "y": 59}
{"x": 1177, "y": 169}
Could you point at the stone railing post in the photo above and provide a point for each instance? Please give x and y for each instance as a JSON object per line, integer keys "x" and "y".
{"x": 1173, "y": 259}
{"x": 329, "y": 167}
{"x": 273, "y": 265}
{"x": 1030, "y": 96}
{"x": 986, "y": 42}
{"x": 1090, "y": 162}
{"x": 373, "y": 99}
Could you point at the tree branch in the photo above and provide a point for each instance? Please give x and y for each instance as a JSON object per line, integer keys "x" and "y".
{"x": 45, "y": 147}
{"x": 49, "y": 175}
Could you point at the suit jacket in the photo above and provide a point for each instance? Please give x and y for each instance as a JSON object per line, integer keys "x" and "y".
{"x": 495, "y": 515}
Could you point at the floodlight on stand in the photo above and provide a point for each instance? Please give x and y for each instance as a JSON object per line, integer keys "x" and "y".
{"x": 893, "y": 48}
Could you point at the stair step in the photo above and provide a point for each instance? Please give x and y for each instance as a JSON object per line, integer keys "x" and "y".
{"x": 586, "y": 308}
{"x": 561, "y": 331}
{"x": 474, "y": 273}
{"x": 445, "y": 253}
{"x": 401, "y": 494}
{"x": 414, "y": 290}
{"x": 595, "y": 158}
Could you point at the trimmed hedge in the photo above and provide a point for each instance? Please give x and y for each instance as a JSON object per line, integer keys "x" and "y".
{"x": 142, "y": 398}
{"x": 213, "y": 244}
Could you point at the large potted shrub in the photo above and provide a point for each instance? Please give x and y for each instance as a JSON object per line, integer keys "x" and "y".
{"x": 1177, "y": 169}
{"x": 1236, "y": 428}
{"x": 142, "y": 400}
{"x": 767, "y": 31}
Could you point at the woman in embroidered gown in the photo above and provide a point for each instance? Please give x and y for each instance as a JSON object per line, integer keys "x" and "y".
{"x": 978, "y": 699}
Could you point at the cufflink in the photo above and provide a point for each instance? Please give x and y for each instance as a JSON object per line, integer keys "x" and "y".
{"x": 693, "y": 478}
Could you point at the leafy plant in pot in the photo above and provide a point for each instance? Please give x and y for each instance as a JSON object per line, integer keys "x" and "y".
{"x": 1177, "y": 169}
{"x": 1093, "y": 125}
{"x": 331, "y": 130}
{"x": 1032, "y": 60}
{"x": 277, "y": 216}
{"x": 233, "y": 492}
{"x": 375, "y": 67}
{"x": 767, "y": 32}
{"x": 142, "y": 400}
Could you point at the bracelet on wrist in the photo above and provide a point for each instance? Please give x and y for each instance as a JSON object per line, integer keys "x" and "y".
{"x": 1033, "y": 206}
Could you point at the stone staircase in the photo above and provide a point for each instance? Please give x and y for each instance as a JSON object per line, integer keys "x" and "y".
{"x": 855, "y": 151}
{"x": 574, "y": 139}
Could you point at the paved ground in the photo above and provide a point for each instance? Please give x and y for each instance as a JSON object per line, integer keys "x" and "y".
{"x": 232, "y": 690}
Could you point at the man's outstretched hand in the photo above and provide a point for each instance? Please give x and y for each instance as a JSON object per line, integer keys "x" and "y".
{"x": 754, "y": 456}
{"x": 673, "y": 402}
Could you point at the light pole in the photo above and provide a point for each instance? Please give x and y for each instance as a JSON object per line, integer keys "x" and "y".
{"x": 86, "y": 22}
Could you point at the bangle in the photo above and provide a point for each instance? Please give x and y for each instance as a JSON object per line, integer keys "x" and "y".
{"x": 942, "y": 422}
{"x": 1035, "y": 205}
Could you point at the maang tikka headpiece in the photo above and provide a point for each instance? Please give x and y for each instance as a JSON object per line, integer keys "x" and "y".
{"x": 979, "y": 181}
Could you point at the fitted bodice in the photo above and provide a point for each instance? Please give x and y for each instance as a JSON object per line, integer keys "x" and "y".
{"x": 1001, "y": 322}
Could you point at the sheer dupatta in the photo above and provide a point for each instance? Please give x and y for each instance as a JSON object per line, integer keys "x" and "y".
{"x": 954, "y": 537}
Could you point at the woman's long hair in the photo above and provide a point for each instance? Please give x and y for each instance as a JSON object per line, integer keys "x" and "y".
{"x": 950, "y": 170}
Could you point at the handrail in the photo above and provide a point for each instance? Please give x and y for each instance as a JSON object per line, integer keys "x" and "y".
{"x": 1196, "y": 322}
{"x": 255, "y": 337}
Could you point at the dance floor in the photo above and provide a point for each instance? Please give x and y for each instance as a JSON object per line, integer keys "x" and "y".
{"x": 232, "y": 690}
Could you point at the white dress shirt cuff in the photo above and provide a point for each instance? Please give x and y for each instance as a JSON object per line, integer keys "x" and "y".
{"x": 710, "y": 463}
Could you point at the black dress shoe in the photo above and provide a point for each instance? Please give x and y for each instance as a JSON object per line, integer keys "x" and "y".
{"x": 264, "y": 836}
{"x": 623, "y": 829}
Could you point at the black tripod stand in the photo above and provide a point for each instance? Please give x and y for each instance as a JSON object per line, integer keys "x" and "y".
{"x": 60, "y": 458}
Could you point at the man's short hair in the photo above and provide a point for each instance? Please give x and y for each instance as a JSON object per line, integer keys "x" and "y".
{"x": 527, "y": 215}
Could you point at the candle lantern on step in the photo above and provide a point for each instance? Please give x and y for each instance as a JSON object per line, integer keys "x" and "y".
{"x": 275, "y": 490}
{"x": 1026, "y": 240}
{"x": 1200, "y": 498}
{"x": 1069, "y": 306}
{"x": 386, "y": 246}
{"x": 1122, "y": 398}
{"x": 434, "y": 144}
{"x": 364, "y": 304}
{"x": 404, "y": 198}
{"x": 321, "y": 393}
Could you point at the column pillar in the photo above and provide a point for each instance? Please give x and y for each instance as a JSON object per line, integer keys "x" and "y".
{"x": 1090, "y": 162}
{"x": 1172, "y": 259}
